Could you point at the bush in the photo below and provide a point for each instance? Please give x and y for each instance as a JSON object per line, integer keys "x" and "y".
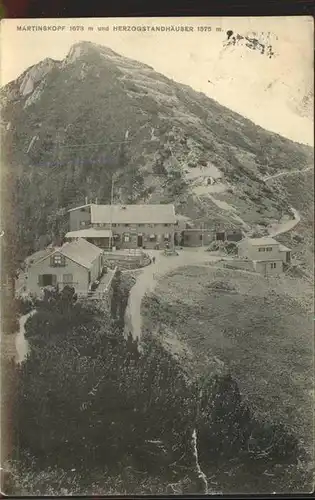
{"x": 224, "y": 286}
{"x": 230, "y": 247}
{"x": 263, "y": 222}
{"x": 298, "y": 238}
{"x": 23, "y": 305}
{"x": 214, "y": 246}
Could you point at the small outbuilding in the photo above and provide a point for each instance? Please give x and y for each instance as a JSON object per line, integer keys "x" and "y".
{"x": 267, "y": 254}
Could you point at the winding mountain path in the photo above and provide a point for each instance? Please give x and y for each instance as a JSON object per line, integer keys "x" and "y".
{"x": 285, "y": 226}
{"x": 287, "y": 172}
{"x": 151, "y": 274}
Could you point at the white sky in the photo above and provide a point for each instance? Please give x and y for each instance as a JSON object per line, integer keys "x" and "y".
{"x": 238, "y": 79}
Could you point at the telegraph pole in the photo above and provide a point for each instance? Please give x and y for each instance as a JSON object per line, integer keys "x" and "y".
{"x": 111, "y": 212}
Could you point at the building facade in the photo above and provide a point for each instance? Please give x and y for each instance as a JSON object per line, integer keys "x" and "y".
{"x": 228, "y": 235}
{"x": 124, "y": 226}
{"x": 197, "y": 237}
{"x": 268, "y": 268}
{"x": 76, "y": 264}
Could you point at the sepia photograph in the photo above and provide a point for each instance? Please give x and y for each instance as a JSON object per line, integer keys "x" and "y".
{"x": 157, "y": 259}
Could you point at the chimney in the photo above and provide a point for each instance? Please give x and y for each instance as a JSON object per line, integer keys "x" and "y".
{"x": 96, "y": 200}
{"x": 86, "y": 200}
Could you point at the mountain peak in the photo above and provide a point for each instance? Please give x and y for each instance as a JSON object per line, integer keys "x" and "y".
{"x": 84, "y": 47}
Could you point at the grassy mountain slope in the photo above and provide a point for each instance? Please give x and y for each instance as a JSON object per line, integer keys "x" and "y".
{"x": 68, "y": 126}
{"x": 259, "y": 330}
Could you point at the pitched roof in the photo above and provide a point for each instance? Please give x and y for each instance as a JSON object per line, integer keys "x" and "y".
{"x": 90, "y": 233}
{"x": 267, "y": 240}
{"x": 182, "y": 217}
{"x": 283, "y": 248}
{"x": 128, "y": 214}
{"x": 78, "y": 208}
{"x": 80, "y": 251}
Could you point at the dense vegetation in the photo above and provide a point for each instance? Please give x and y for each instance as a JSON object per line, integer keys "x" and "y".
{"x": 88, "y": 399}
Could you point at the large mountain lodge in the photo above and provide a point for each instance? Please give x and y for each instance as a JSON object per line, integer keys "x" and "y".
{"x": 124, "y": 226}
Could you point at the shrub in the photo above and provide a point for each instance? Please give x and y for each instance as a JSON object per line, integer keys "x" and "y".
{"x": 230, "y": 247}
{"x": 298, "y": 238}
{"x": 24, "y": 305}
{"x": 224, "y": 286}
{"x": 263, "y": 222}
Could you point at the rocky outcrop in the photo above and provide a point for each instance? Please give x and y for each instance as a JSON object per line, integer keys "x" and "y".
{"x": 34, "y": 75}
{"x": 35, "y": 95}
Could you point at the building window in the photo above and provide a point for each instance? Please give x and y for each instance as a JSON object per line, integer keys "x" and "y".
{"x": 126, "y": 238}
{"x": 67, "y": 279}
{"x": 126, "y": 225}
{"x": 269, "y": 249}
{"x": 273, "y": 265}
{"x": 152, "y": 237}
{"x": 141, "y": 225}
{"x": 83, "y": 223}
{"x": 166, "y": 225}
{"x": 200, "y": 237}
{"x": 114, "y": 225}
{"x": 166, "y": 237}
{"x": 47, "y": 280}
{"x": 261, "y": 249}
{"x": 58, "y": 260}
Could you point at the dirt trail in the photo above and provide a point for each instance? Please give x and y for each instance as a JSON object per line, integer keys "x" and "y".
{"x": 149, "y": 277}
{"x": 21, "y": 343}
{"x": 283, "y": 227}
{"x": 287, "y": 172}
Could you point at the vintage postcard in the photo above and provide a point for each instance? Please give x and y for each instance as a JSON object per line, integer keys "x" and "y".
{"x": 157, "y": 256}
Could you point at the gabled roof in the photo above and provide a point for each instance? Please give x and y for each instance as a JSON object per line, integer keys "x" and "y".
{"x": 80, "y": 251}
{"x": 128, "y": 214}
{"x": 267, "y": 240}
{"x": 283, "y": 248}
{"x": 182, "y": 217}
{"x": 78, "y": 208}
